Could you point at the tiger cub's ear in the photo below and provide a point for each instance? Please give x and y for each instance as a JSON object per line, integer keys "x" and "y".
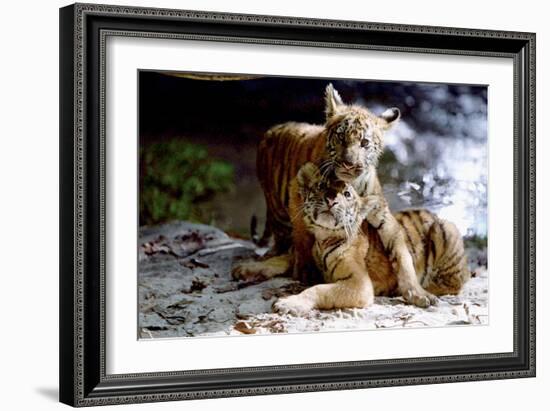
{"x": 333, "y": 101}
{"x": 307, "y": 176}
{"x": 390, "y": 117}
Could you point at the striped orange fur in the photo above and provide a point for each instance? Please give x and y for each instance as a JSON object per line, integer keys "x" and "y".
{"x": 348, "y": 145}
{"x": 350, "y": 255}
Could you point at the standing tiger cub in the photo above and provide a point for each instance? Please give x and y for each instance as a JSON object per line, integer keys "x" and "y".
{"x": 347, "y": 145}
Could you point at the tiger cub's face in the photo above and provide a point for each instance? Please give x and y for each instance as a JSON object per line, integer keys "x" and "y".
{"x": 354, "y": 135}
{"x": 331, "y": 205}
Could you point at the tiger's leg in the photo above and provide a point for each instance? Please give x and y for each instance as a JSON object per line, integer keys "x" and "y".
{"x": 278, "y": 226}
{"x": 447, "y": 263}
{"x": 393, "y": 238}
{"x": 351, "y": 287}
{"x": 282, "y": 234}
{"x": 254, "y": 270}
{"x": 304, "y": 267}
{"x": 282, "y": 239}
{"x": 354, "y": 292}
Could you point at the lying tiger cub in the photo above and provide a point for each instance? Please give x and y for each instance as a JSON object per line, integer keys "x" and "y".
{"x": 350, "y": 255}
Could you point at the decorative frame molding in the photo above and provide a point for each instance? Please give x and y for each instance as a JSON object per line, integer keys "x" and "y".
{"x": 83, "y": 32}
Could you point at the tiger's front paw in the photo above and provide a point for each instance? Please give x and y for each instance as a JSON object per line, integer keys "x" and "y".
{"x": 294, "y": 305}
{"x": 374, "y": 209}
{"x": 419, "y": 297}
{"x": 248, "y": 271}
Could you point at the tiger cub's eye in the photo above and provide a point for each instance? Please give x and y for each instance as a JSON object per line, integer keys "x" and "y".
{"x": 364, "y": 143}
{"x": 347, "y": 194}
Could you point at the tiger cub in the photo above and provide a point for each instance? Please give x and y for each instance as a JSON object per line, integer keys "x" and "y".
{"x": 347, "y": 145}
{"x": 350, "y": 254}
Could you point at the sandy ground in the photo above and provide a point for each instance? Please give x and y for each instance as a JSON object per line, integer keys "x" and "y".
{"x": 186, "y": 290}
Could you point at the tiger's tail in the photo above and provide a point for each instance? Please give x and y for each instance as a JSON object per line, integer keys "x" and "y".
{"x": 447, "y": 265}
{"x": 262, "y": 241}
{"x": 255, "y": 236}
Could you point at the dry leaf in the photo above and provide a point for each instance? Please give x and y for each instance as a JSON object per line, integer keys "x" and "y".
{"x": 244, "y": 328}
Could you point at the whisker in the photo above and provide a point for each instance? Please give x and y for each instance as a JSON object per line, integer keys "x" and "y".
{"x": 299, "y": 212}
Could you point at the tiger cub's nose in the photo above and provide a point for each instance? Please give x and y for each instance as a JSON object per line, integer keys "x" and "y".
{"x": 331, "y": 202}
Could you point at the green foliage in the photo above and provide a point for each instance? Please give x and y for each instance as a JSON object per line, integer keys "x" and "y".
{"x": 175, "y": 177}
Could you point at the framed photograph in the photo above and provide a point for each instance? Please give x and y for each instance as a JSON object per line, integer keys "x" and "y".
{"x": 261, "y": 204}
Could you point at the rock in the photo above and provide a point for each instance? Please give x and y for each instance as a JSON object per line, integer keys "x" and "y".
{"x": 254, "y": 307}
{"x": 185, "y": 289}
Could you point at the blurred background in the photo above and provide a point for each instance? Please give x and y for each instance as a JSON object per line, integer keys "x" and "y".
{"x": 198, "y": 136}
